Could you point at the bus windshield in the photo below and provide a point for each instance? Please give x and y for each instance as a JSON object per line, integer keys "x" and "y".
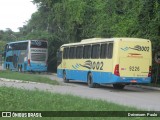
{"x": 38, "y": 44}
{"x": 19, "y": 46}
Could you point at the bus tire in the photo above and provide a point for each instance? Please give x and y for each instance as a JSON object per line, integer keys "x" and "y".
{"x": 90, "y": 81}
{"x": 118, "y": 86}
{"x": 65, "y": 80}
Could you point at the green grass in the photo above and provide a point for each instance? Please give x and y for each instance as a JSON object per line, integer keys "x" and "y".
{"x": 13, "y": 99}
{"x": 26, "y": 77}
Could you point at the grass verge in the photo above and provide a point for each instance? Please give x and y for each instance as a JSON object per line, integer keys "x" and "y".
{"x": 24, "y": 100}
{"x": 26, "y": 77}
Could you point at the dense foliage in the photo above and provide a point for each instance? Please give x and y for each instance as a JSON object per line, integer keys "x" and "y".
{"x": 64, "y": 21}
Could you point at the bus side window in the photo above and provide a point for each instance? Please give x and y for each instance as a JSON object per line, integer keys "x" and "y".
{"x": 71, "y": 52}
{"x": 87, "y": 51}
{"x": 95, "y": 51}
{"x": 103, "y": 52}
{"x": 74, "y": 53}
{"x": 66, "y": 53}
{"x": 79, "y": 52}
{"x": 22, "y": 46}
{"x": 110, "y": 50}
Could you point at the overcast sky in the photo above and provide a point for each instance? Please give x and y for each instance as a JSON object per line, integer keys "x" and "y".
{"x": 15, "y": 13}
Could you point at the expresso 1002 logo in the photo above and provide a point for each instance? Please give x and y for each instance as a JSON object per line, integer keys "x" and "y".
{"x": 141, "y": 48}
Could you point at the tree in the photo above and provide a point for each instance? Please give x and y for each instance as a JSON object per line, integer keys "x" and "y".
{"x": 65, "y": 21}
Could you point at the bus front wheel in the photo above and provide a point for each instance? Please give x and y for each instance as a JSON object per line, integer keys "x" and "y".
{"x": 65, "y": 80}
{"x": 90, "y": 81}
{"x": 118, "y": 86}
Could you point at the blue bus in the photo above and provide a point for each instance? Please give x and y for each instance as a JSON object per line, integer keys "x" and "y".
{"x": 27, "y": 55}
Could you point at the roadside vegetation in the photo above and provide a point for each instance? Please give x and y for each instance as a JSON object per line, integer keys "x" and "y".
{"x": 154, "y": 85}
{"x": 67, "y": 21}
{"x": 25, "y": 100}
{"x": 26, "y": 77}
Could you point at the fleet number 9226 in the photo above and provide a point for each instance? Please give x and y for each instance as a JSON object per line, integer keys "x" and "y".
{"x": 134, "y": 68}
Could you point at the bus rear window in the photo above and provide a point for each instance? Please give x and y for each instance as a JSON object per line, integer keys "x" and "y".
{"x": 38, "y": 44}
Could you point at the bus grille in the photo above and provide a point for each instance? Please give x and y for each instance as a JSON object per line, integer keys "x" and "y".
{"x": 38, "y": 56}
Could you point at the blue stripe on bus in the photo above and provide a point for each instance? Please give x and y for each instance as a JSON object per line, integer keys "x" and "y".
{"x": 100, "y": 77}
{"x": 34, "y": 67}
{"x": 37, "y": 67}
{"x": 74, "y": 67}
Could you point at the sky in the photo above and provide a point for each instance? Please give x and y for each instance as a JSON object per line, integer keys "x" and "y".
{"x": 15, "y": 13}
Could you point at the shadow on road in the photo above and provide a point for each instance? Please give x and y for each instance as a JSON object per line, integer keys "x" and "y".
{"x": 128, "y": 88}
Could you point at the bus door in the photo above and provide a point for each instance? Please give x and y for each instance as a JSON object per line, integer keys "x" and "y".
{"x": 15, "y": 58}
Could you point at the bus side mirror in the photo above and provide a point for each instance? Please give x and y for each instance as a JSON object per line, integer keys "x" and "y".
{"x": 10, "y": 48}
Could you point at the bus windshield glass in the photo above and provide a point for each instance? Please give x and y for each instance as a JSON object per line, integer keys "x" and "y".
{"x": 18, "y": 46}
{"x": 38, "y": 44}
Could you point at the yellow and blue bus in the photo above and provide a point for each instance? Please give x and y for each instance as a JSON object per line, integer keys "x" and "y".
{"x": 27, "y": 55}
{"x": 117, "y": 61}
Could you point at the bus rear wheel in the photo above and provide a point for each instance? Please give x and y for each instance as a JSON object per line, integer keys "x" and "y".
{"x": 65, "y": 80}
{"x": 118, "y": 86}
{"x": 90, "y": 81}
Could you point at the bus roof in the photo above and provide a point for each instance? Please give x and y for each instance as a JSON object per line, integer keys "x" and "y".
{"x": 23, "y": 41}
{"x": 99, "y": 40}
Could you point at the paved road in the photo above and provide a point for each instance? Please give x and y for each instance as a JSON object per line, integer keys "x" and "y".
{"x": 136, "y": 96}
